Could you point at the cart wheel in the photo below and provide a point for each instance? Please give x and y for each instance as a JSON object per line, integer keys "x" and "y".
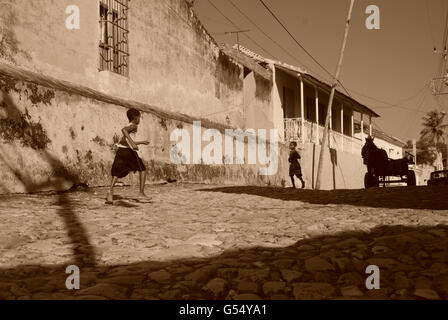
{"x": 370, "y": 181}
{"x": 411, "y": 180}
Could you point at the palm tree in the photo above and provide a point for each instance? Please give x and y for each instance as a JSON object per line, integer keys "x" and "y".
{"x": 434, "y": 128}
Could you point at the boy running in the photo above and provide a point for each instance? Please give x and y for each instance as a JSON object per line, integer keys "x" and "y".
{"x": 126, "y": 158}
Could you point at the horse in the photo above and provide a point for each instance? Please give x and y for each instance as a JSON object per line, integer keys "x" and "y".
{"x": 379, "y": 166}
{"x": 375, "y": 159}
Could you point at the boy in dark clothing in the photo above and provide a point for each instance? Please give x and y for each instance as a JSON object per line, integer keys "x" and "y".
{"x": 127, "y": 159}
{"x": 294, "y": 168}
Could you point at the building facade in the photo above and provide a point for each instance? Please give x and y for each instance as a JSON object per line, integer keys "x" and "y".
{"x": 64, "y": 93}
{"x": 299, "y": 107}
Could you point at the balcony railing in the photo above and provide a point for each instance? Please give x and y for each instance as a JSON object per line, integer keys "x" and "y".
{"x": 308, "y": 134}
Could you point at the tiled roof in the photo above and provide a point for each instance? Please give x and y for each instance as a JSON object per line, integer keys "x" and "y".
{"x": 360, "y": 107}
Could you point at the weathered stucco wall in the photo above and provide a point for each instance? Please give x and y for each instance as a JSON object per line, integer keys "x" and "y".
{"x": 54, "y": 135}
{"x": 341, "y": 170}
{"x": 258, "y": 102}
{"x": 174, "y": 63}
{"x": 292, "y": 102}
{"x": 51, "y": 139}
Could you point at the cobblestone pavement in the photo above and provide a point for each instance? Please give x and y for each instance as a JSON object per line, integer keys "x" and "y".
{"x": 208, "y": 242}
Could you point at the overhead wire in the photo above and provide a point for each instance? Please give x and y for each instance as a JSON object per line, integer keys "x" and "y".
{"x": 238, "y": 28}
{"x": 428, "y": 14}
{"x": 311, "y": 56}
{"x": 388, "y": 104}
{"x": 267, "y": 35}
{"x": 302, "y": 47}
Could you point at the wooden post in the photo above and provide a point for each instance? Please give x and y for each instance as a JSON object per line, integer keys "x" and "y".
{"x": 342, "y": 127}
{"x": 330, "y": 128}
{"x": 302, "y": 110}
{"x": 317, "y": 114}
{"x": 370, "y": 126}
{"x": 353, "y": 130}
{"x": 414, "y": 150}
{"x": 330, "y": 104}
{"x": 362, "y": 128}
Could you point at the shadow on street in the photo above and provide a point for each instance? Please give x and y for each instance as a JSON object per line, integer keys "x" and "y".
{"x": 430, "y": 198}
{"x": 408, "y": 258}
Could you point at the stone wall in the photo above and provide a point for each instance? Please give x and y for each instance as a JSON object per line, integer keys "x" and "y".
{"x": 59, "y": 115}
{"x": 52, "y": 137}
{"x": 174, "y": 62}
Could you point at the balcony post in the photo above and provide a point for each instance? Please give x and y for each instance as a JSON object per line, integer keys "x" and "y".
{"x": 362, "y": 128}
{"x": 317, "y": 114}
{"x": 353, "y": 129}
{"x": 330, "y": 128}
{"x": 342, "y": 127}
{"x": 302, "y": 110}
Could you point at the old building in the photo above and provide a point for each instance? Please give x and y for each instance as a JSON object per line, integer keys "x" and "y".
{"x": 64, "y": 93}
{"x": 298, "y": 109}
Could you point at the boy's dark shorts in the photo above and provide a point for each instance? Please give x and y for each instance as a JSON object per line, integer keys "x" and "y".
{"x": 295, "y": 170}
{"x": 126, "y": 161}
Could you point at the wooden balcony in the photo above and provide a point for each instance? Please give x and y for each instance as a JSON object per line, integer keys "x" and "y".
{"x": 303, "y": 131}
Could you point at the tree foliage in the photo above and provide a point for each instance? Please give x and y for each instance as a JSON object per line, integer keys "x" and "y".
{"x": 432, "y": 138}
{"x": 434, "y": 129}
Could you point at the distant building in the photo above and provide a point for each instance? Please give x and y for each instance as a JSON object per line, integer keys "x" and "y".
{"x": 392, "y": 145}
{"x": 299, "y": 108}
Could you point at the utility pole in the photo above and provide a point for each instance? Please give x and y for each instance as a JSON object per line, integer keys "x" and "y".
{"x": 443, "y": 76}
{"x": 237, "y": 36}
{"x": 330, "y": 104}
{"x": 414, "y": 150}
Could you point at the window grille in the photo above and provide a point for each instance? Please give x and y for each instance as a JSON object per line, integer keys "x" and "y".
{"x": 114, "y": 32}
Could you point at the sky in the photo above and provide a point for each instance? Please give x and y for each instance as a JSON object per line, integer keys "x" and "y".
{"x": 389, "y": 70}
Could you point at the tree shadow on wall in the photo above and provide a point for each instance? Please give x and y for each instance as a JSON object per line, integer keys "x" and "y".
{"x": 83, "y": 251}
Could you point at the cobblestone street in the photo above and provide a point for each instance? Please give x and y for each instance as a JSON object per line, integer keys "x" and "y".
{"x": 210, "y": 242}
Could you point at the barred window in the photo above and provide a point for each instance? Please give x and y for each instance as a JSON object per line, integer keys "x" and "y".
{"x": 114, "y": 45}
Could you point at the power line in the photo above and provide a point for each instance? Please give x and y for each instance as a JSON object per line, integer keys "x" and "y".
{"x": 429, "y": 23}
{"x": 315, "y": 60}
{"x": 309, "y": 54}
{"x": 414, "y": 96}
{"x": 238, "y": 28}
{"x": 263, "y": 32}
{"x": 264, "y": 4}
{"x": 391, "y": 104}
{"x": 444, "y": 55}
{"x": 302, "y": 47}
{"x": 422, "y": 102}
{"x": 295, "y": 40}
